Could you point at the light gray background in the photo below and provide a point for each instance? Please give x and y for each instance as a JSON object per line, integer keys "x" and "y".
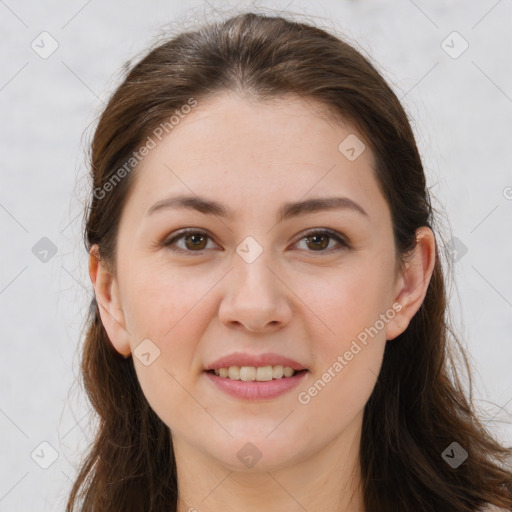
{"x": 462, "y": 115}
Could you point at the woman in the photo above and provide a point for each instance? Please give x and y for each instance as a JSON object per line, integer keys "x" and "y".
{"x": 269, "y": 326}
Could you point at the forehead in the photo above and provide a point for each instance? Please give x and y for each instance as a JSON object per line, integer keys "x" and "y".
{"x": 251, "y": 151}
{"x": 285, "y": 129}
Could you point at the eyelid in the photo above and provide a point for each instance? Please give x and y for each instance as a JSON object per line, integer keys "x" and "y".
{"x": 341, "y": 239}
{"x": 181, "y": 234}
{"x": 338, "y": 237}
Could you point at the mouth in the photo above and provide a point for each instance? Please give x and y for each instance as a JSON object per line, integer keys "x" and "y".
{"x": 255, "y": 373}
{"x": 255, "y": 383}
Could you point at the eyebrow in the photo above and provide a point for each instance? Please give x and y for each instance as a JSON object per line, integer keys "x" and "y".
{"x": 287, "y": 210}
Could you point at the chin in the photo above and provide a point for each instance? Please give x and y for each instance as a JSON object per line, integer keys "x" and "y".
{"x": 258, "y": 453}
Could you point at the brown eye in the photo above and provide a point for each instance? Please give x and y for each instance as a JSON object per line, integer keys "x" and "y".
{"x": 319, "y": 241}
{"x": 194, "y": 241}
{"x": 197, "y": 241}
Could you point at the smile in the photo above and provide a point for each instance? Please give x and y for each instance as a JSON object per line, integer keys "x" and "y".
{"x": 255, "y": 389}
{"x": 253, "y": 373}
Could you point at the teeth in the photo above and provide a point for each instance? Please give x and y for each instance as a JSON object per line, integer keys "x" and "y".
{"x": 277, "y": 371}
{"x": 252, "y": 373}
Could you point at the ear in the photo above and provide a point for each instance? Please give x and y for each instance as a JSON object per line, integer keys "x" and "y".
{"x": 109, "y": 303}
{"x": 412, "y": 284}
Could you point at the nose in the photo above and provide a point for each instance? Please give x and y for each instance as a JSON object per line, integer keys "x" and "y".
{"x": 256, "y": 298}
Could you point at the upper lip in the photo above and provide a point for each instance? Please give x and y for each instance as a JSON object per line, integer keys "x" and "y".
{"x": 243, "y": 359}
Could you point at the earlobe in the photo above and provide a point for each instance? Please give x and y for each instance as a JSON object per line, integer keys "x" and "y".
{"x": 109, "y": 303}
{"x": 413, "y": 282}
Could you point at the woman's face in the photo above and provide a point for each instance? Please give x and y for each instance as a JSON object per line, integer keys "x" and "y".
{"x": 258, "y": 283}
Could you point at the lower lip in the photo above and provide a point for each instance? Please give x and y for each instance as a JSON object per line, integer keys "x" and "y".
{"x": 256, "y": 390}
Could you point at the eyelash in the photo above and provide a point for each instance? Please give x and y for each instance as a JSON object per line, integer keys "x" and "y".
{"x": 343, "y": 244}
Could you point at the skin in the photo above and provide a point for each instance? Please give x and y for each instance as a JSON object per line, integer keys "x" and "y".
{"x": 296, "y": 299}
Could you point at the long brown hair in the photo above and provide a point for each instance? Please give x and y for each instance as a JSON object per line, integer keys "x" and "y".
{"x": 418, "y": 407}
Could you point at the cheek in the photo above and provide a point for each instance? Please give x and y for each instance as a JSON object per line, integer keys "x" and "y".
{"x": 354, "y": 311}
{"x": 349, "y": 301}
{"x": 164, "y": 307}
{"x": 163, "y": 303}
{"x": 335, "y": 398}
{"x": 349, "y": 347}
{"x": 170, "y": 311}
